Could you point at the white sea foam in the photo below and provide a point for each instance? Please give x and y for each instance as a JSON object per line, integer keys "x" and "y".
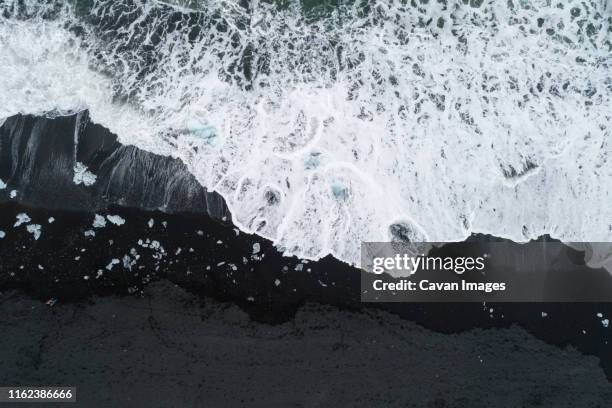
{"x": 358, "y": 124}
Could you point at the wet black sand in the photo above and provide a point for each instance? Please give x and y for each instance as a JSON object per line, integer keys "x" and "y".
{"x": 217, "y": 261}
{"x": 169, "y": 348}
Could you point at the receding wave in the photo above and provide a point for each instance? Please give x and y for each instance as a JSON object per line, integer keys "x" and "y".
{"x": 324, "y": 126}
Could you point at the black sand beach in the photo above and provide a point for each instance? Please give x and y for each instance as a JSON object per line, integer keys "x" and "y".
{"x": 168, "y": 347}
{"x": 65, "y": 266}
{"x": 221, "y": 307}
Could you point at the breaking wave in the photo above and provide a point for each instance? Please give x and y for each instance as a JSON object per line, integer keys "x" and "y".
{"x": 324, "y": 126}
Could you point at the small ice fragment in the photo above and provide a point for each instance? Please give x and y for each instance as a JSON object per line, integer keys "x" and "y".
{"x": 605, "y": 323}
{"x": 51, "y": 220}
{"x": 544, "y": 314}
{"x": 151, "y": 223}
{"x": 127, "y": 262}
{"x": 115, "y": 219}
{"x": 165, "y": 224}
{"x": 2, "y": 185}
{"x": 206, "y": 132}
{"x": 221, "y": 264}
{"x": 2, "y": 234}
{"x": 251, "y": 299}
{"x": 13, "y": 193}
{"x": 312, "y": 161}
{"x": 200, "y": 233}
{"x": 339, "y": 191}
{"x": 299, "y": 267}
{"x": 35, "y": 230}
{"x": 178, "y": 251}
{"x": 219, "y": 242}
{"x": 99, "y": 221}
{"x": 90, "y": 233}
{"x": 112, "y": 263}
{"x": 256, "y": 248}
{"x": 82, "y": 175}
{"x": 22, "y": 218}
{"x": 599, "y": 315}
{"x": 277, "y": 282}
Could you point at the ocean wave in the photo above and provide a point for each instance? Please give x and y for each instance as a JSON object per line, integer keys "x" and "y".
{"x": 326, "y": 126}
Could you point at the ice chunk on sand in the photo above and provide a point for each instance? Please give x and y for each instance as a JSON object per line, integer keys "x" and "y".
{"x": 22, "y": 218}
{"x": 82, "y": 175}
{"x": 115, "y": 219}
{"x": 34, "y": 229}
{"x": 99, "y": 221}
{"x": 112, "y": 263}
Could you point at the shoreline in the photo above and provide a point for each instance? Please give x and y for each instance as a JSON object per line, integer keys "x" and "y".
{"x": 196, "y": 249}
{"x": 267, "y": 286}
